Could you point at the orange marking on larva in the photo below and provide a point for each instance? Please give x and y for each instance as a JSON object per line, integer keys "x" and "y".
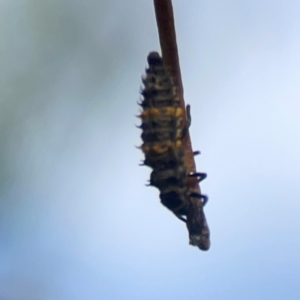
{"x": 178, "y": 134}
{"x": 144, "y": 114}
{"x": 179, "y": 112}
{"x": 159, "y": 148}
{"x": 155, "y": 111}
{"x": 169, "y": 110}
{"x": 155, "y": 148}
{"x": 145, "y": 148}
{"x": 149, "y": 111}
{"x": 178, "y": 144}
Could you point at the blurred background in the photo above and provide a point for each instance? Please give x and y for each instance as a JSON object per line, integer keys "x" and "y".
{"x": 76, "y": 220}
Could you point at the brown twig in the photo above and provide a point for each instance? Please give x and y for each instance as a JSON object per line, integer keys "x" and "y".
{"x": 167, "y": 37}
{"x": 196, "y": 221}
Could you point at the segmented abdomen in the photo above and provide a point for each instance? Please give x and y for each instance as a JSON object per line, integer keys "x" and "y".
{"x": 162, "y": 126}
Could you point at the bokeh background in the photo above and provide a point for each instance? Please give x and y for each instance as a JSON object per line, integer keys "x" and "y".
{"x": 76, "y": 220}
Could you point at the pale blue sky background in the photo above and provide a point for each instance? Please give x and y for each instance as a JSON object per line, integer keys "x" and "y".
{"x": 76, "y": 220}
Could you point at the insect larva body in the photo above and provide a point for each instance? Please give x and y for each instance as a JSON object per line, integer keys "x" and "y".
{"x": 163, "y": 128}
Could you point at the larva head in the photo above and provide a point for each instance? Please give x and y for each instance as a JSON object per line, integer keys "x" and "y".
{"x": 154, "y": 59}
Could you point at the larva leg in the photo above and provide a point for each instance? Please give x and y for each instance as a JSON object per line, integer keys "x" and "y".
{"x": 205, "y": 200}
{"x": 181, "y": 218}
{"x": 200, "y": 176}
{"x": 200, "y": 196}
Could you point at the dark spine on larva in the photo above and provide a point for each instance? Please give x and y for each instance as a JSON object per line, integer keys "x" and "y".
{"x": 162, "y": 129}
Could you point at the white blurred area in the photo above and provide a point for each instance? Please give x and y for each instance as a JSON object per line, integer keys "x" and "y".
{"x": 76, "y": 220}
